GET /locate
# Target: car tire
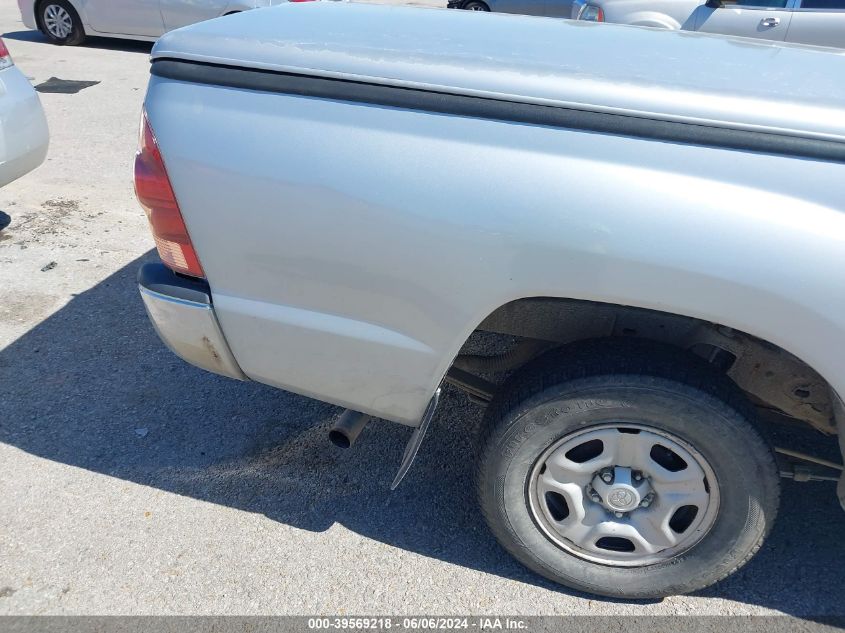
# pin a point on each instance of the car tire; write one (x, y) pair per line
(667, 417)
(59, 21)
(476, 5)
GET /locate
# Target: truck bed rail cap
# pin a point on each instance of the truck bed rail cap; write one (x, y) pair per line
(667, 75)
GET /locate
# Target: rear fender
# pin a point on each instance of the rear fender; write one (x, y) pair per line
(81, 10)
(370, 314)
(654, 19)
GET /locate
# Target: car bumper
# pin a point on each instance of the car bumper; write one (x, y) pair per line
(183, 316)
(27, 8)
(23, 127)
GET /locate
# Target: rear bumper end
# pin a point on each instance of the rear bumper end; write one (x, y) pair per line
(27, 8)
(23, 127)
(183, 316)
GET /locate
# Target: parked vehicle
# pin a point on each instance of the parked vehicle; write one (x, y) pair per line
(654, 242)
(23, 126)
(548, 8)
(70, 21)
(818, 22)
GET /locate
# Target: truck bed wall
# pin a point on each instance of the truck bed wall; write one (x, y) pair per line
(352, 248)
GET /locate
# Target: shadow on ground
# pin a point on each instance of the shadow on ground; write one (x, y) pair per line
(105, 43)
(93, 387)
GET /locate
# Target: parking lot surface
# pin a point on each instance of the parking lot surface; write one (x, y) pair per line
(132, 483)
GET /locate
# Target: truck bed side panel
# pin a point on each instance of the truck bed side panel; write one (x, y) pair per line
(352, 248)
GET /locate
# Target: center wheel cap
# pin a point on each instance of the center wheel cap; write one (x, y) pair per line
(622, 499)
(621, 493)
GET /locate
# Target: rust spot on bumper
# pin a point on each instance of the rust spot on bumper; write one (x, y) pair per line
(209, 346)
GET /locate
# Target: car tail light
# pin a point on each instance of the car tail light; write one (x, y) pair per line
(5, 58)
(152, 187)
(592, 14)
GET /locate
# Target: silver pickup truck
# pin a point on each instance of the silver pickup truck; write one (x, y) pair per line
(648, 226)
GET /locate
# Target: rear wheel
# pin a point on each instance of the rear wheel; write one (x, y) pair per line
(626, 469)
(60, 22)
(476, 5)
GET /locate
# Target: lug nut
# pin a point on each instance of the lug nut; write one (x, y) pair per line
(646, 502)
(619, 515)
(607, 476)
(638, 476)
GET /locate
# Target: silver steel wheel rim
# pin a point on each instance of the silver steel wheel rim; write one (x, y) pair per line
(58, 21)
(627, 522)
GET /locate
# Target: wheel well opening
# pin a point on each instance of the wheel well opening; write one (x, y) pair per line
(37, 9)
(773, 378)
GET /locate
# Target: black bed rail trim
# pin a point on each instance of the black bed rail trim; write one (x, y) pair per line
(498, 109)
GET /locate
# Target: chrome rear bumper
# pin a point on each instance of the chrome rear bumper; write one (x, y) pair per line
(183, 315)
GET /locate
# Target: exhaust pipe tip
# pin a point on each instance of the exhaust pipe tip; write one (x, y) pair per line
(347, 428)
(339, 439)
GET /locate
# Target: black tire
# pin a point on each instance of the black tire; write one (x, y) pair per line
(47, 12)
(475, 5)
(622, 380)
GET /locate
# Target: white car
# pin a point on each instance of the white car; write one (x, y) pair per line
(23, 126)
(815, 22)
(70, 21)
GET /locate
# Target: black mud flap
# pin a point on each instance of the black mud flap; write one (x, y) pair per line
(413, 445)
(839, 417)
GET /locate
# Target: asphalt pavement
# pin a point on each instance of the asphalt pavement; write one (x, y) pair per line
(132, 483)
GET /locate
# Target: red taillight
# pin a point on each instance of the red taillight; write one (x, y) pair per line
(591, 13)
(152, 187)
(5, 58)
